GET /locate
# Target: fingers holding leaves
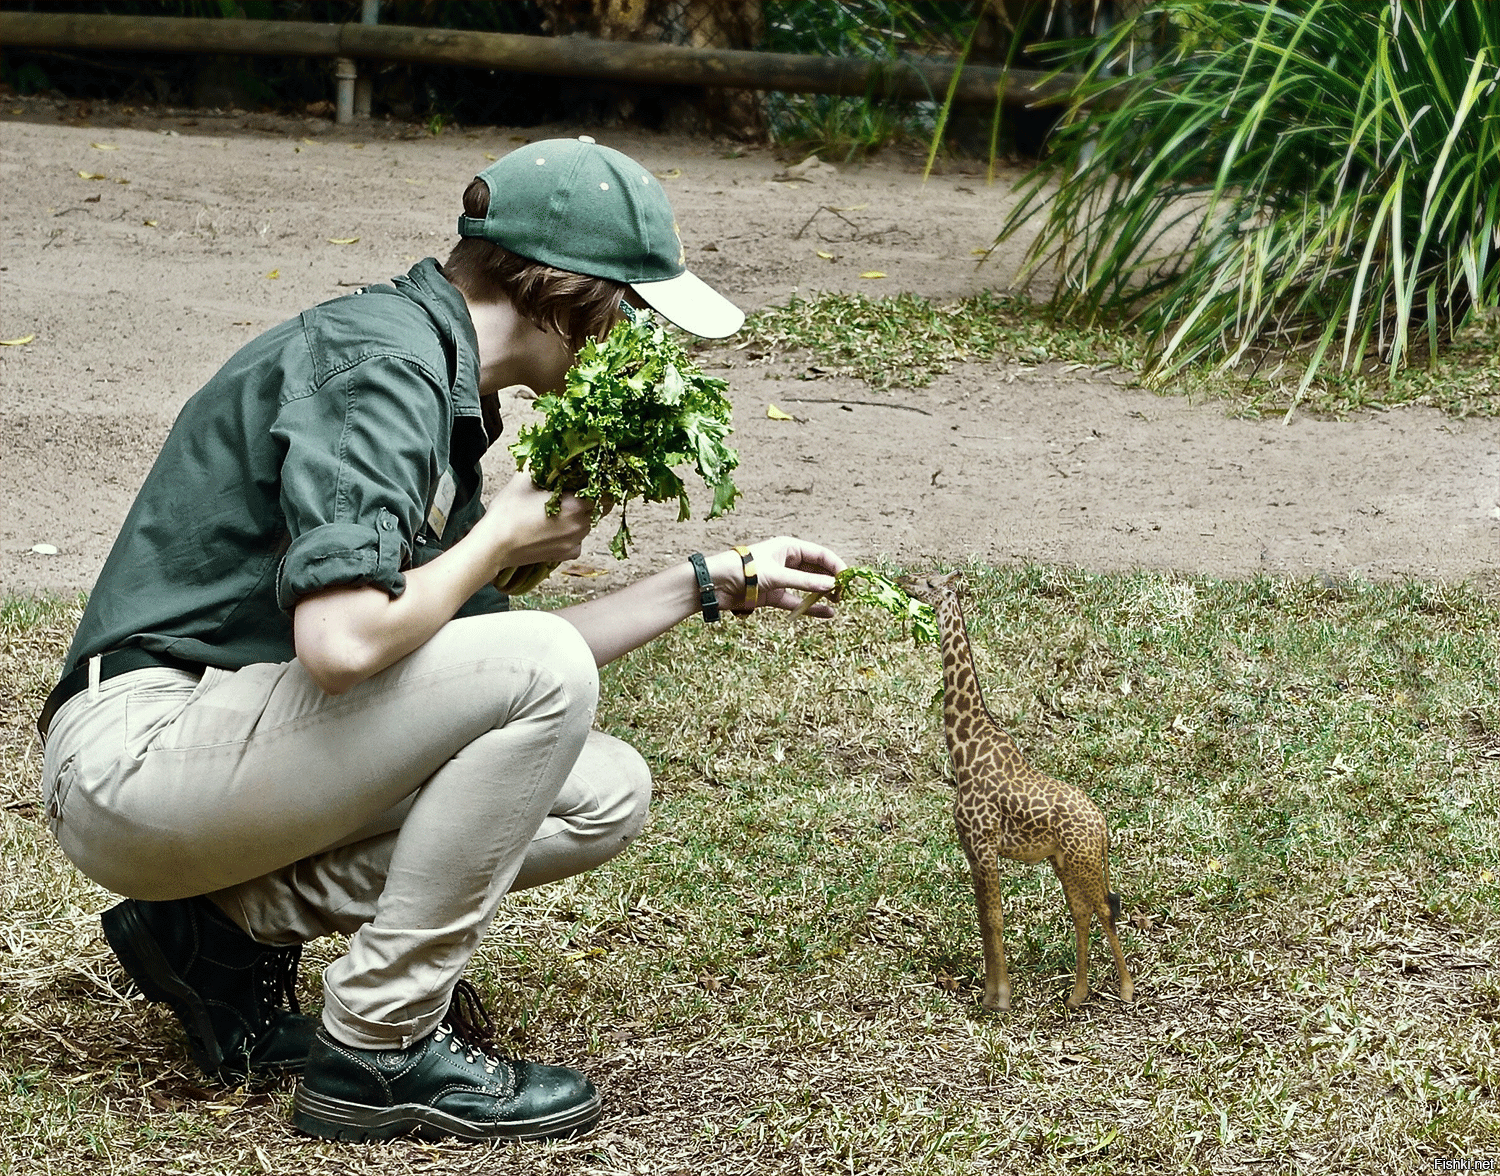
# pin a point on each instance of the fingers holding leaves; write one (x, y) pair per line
(796, 575)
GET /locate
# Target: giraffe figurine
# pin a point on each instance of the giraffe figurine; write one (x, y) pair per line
(1005, 808)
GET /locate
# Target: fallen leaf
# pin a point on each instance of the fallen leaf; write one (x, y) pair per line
(1486, 876)
(1141, 921)
(311, 142)
(873, 274)
(579, 569)
(1215, 865)
(273, 275)
(775, 414)
(946, 982)
(44, 549)
(94, 199)
(710, 982)
(670, 174)
(980, 251)
(21, 342)
(342, 240)
(103, 146)
(83, 175)
(491, 158)
(825, 256)
(848, 207)
(150, 224)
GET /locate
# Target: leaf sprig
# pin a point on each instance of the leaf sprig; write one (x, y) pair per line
(633, 407)
(863, 585)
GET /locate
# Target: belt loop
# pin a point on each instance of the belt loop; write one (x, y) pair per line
(95, 663)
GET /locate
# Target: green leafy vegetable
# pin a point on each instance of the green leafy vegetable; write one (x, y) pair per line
(867, 586)
(633, 407)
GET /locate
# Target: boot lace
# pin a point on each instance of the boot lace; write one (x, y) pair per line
(470, 1026)
(276, 979)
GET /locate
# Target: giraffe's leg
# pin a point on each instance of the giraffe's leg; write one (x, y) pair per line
(991, 930)
(1082, 910)
(1127, 985)
(1107, 917)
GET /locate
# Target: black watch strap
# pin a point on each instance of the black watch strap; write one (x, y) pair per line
(707, 597)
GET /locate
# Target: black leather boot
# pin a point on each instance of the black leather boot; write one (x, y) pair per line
(236, 998)
(442, 1086)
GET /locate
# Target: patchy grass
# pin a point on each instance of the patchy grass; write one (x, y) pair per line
(1303, 783)
(907, 341)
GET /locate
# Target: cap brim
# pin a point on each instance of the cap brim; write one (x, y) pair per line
(692, 304)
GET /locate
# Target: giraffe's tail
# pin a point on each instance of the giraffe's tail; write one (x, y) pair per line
(1114, 904)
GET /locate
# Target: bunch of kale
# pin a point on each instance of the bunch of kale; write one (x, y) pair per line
(633, 408)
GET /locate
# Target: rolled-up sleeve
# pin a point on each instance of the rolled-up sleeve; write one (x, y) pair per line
(362, 453)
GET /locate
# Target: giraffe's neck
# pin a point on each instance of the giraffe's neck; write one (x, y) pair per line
(966, 720)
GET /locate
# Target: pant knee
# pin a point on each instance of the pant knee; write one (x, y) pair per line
(633, 803)
(570, 659)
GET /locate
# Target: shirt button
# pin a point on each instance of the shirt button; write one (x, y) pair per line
(387, 523)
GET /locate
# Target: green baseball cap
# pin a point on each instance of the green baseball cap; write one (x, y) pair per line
(577, 206)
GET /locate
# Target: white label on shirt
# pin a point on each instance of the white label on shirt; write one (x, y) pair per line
(442, 503)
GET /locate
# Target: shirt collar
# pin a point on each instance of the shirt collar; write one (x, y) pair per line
(450, 312)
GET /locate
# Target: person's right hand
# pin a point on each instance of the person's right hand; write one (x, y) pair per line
(524, 533)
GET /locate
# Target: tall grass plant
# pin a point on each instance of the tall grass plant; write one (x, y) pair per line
(1244, 179)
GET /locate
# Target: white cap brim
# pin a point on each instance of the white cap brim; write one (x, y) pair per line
(692, 304)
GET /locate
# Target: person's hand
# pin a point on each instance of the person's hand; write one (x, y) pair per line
(526, 534)
(789, 572)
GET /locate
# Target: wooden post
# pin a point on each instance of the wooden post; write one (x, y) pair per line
(560, 57)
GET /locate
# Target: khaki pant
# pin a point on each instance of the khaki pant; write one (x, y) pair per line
(399, 813)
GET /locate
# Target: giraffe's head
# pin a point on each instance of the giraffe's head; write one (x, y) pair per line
(932, 587)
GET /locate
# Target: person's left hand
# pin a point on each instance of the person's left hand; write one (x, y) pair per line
(788, 570)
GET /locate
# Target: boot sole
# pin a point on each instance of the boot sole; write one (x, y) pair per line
(334, 1118)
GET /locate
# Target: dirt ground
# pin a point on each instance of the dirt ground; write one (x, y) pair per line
(141, 248)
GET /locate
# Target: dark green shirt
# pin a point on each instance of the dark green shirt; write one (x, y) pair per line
(339, 448)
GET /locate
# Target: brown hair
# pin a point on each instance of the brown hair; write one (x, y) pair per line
(575, 306)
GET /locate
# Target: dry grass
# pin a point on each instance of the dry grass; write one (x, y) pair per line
(783, 975)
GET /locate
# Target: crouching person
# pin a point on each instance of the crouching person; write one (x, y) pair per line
(296, 705)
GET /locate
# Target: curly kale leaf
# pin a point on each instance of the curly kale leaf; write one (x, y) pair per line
(867, 586)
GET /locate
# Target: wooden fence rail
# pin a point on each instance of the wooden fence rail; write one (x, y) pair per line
(581, 57)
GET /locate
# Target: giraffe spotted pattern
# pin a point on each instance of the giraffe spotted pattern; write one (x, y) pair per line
(1005, 808)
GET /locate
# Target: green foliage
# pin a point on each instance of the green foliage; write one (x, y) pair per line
(634, 406)
(1315, 174)
(861, 585)
(844, 127)
(908, 340)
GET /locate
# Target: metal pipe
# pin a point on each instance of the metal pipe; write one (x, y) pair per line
(347, 74)
(364, 85)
